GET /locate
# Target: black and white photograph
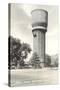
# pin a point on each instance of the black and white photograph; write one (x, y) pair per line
(32, 45)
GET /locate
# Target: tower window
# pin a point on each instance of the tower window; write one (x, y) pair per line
(34, 35)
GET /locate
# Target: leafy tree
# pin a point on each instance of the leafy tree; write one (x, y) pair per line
(47, 60)
(34, 60)
(18, 51)
(14, 47)
(25, 49)
(54, 60)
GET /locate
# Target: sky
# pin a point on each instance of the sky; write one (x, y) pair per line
(21, 25)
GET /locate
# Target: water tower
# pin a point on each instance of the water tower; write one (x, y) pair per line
(39, 28)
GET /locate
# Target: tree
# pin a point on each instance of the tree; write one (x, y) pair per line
(25, 49)
(16, 49)
(34, 60)
(54, 60)
(47, 60)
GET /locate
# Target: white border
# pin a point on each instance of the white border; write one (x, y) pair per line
(4, 43)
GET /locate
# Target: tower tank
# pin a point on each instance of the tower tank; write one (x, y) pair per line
(39, 28)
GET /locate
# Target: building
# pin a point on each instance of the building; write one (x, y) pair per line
(39, 28)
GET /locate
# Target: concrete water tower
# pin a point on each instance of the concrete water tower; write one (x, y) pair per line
(39, 28)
